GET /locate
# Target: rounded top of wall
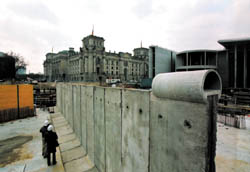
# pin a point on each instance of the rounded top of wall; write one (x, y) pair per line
(192, 86)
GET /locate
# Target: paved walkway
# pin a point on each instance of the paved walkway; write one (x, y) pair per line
(73, 155)
(21, 143)
(233, 148)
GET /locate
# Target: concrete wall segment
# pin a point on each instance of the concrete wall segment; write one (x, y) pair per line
(99, 129)
(135, 130)
(83, 117)
(113, 123)
(193, 86)
(77, 111)
(90, 121)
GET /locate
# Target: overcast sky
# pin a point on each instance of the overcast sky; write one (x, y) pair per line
(32, 27)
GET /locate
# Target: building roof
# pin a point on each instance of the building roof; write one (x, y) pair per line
(156, 46)
(229, 43)
(141, 48)
(197, 51)
(93, 36)
(236, 40)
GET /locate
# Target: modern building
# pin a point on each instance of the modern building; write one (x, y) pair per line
(196, 60)
(236, 60)
(161, 60)
(232, 63)
(93, 63)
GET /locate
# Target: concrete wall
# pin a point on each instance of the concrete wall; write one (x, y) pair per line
(132, 130)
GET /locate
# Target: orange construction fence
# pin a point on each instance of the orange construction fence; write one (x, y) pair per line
(16, 101)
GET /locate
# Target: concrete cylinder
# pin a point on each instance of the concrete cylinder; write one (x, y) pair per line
(192, 86)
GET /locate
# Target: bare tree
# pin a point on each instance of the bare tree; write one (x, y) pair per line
(19, 60)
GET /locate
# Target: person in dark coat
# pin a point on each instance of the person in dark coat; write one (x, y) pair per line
(52, 143)
(43, 130)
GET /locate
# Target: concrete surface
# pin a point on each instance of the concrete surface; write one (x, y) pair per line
(77, 111)
(182, 143)
(135, 130)
(191, 86)
(90, 122)
(233, 148)
(69, 145)
(99, 129)
(113, 123)
(74, 156)
(83, 117)
(26, 156)
(137, 133)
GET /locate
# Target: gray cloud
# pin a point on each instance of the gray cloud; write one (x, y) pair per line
(33, 10)
(143, 8)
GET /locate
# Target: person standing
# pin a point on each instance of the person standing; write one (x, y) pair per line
(43, 131)
(52, 143)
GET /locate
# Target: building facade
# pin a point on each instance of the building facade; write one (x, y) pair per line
(235, 63)
(161, 60)
(232, 63)
(93, 63)
(196, 60)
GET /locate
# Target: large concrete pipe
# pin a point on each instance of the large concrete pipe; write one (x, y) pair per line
(193, 86)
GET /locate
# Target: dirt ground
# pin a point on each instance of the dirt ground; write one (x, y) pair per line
(10, 149)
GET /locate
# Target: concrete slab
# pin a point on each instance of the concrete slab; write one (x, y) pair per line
(66, 138)
(73, 154)
(94, 169)
(83, 117)
(179, 129)
(70, 112)
(62, 124)
(64, 130)
(77, 111)
(90, 122)
(59, 119)
(69, 145)
(135, 130)
(79, 165)
(113, 115)
(100, 139)
(55, 115)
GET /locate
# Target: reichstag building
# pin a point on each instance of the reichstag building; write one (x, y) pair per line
(93, 63)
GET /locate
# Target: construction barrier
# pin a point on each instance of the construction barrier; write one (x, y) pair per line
(16, 101)
(237, 121)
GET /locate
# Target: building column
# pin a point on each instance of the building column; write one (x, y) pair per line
(245, 66)
(216, 60)
(85, 65)
(94, 65)
(235, 66)
(205, 59)
(186, 60)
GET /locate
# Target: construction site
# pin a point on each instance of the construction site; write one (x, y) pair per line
(175, 126)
